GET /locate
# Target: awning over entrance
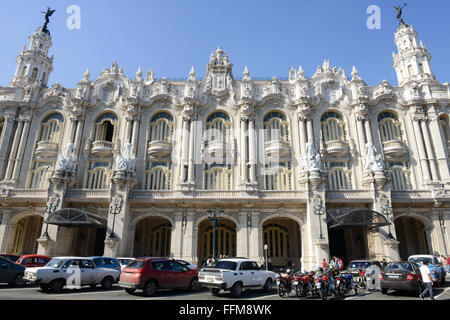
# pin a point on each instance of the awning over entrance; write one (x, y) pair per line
(357, 219)
(71, 217)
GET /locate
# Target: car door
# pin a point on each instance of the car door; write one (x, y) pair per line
(72, 272)
(244, 273)
(162, 272)
(5, 270)
(257, 275)
(88, 272)
(180, 277)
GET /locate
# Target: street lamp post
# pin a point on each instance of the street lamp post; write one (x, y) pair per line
(214, 219)
(49, 210)
(319, 210)
(114, 209)
(387, 211)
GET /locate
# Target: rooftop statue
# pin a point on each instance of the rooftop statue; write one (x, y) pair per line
(399, 11)
(48, 14)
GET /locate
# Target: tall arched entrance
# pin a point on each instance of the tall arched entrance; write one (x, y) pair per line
(225, 240)
(84, 241)
(412, 237)
(27, 231)
(283, 239)
(152, 237)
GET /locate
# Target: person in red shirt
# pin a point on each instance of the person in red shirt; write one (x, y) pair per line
(340, 264)
(324, 264)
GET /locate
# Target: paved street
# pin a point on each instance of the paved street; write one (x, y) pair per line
(87, 293)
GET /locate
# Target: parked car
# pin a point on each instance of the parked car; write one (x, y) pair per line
(125, 261)
(11, 257)
(436, 269)
(187, 264)
(11, 272)
(33, 260)
(151, 274)
(56, 274)
(106, 262)
(356, 265)
(235, 274)
(402, 275)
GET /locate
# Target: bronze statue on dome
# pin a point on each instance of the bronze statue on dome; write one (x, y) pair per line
(48, 14)
(399, 10)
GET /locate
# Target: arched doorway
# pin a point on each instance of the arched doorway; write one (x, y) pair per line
(27, 231)
(283, 239)
(85, 241)
(225, 240)
(152, 237)
(412, 236)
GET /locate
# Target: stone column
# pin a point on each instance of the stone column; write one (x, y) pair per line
(7, 130)
(429, 149)
(134, 137)
(242, 236)
(301, 128)
(184, 146)
(23, 143)
(15, 146)
(73, 129)
(440, 146)
(309, 126)
(368, 131)
(420, 145)
(252, 148)
(361, 135)
(243, 150)
(191, 153)
(176, 239)
(255, 239)
(128, 128)
(190, 239)
(78, 134)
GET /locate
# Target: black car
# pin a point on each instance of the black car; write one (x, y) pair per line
(402, 276)
(11, 272)
(11, 257)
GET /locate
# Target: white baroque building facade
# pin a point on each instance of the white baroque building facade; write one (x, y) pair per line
(311, 167)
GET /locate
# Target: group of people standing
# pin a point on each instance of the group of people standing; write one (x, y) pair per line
(335, 263)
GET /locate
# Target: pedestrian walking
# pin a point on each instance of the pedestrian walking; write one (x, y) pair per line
(427, 281)
(383, 263)
(324, 264)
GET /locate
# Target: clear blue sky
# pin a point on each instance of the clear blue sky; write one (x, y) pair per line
(267, 36)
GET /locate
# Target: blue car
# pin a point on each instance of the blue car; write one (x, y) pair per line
(436, 269)
(106, 262)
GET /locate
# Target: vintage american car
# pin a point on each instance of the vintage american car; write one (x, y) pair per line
(233, 275)
(70, 271)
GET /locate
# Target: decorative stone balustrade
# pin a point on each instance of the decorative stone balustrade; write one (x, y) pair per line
(101, 148)
(159, 149)
(337, 147)
(47, 149)
(277, 148)
(395, 148)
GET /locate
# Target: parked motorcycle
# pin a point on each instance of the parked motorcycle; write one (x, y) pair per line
(345, 284)
(361, 280)
(284, 283)
(303, 284)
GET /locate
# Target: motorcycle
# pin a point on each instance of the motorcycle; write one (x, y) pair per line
(303, 284)
(361, 280)
(345, 284)
(284, 283)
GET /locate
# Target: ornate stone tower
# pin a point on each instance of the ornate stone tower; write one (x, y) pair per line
(412, 62)
(33, 64)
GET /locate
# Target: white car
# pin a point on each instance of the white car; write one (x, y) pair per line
(73, 272)
(125, 261)
(235, 274)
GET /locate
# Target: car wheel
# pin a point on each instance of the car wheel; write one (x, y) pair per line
(384, 291)
(268, 285)
(149, 289)
(56, 285)
(215, 291)
(18, 280)
(194, 285)
(130, 291)
(236, 289)
(281, 290)
(44, 287)
(107, 282)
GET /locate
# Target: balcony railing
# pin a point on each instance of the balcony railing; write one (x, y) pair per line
(394, 148)
(47, 149)
(337, 147)
(349, 195)
(159, 148)
(102, 148)
(277, 148)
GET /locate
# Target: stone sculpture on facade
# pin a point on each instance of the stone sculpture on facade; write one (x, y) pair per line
(312, 160)
(126, 161)
(66, 160)
(372, 161)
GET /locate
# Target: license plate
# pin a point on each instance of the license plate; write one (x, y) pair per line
(209, 279)
(295, 283)
(278, 282)
(394, 277)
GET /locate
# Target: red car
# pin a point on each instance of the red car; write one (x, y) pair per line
(33, 260)
(151, 274)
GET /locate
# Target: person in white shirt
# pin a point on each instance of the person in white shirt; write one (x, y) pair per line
(427, 281)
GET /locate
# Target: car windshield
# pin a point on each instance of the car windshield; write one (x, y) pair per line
(136, 264)
(54, 263)
(420, 260)
(227, 265)
(124, 261)
(360, 264)
(399, 266)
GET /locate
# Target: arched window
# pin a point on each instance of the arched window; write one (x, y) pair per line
(24, 71)
(276, 128)
(105, 127)
(40, 174)
(389, 126)
(158, 176)
(218, 127)
(400, 179)
(333, 127)
(410, 70)
(278, 176)
(51, 127)
(161, 127)
(217, 176)
(443, 119)
(339, 176)
(98, 175)
(34, 73)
